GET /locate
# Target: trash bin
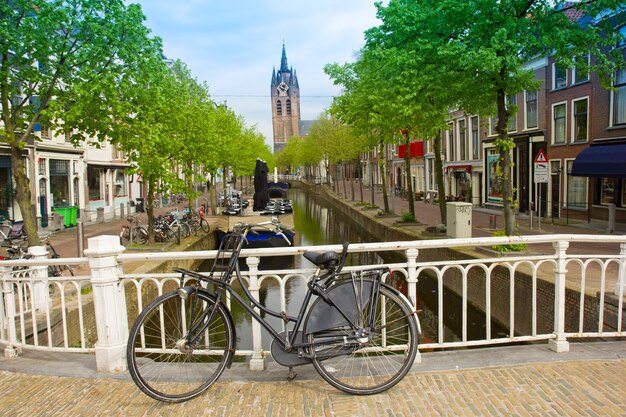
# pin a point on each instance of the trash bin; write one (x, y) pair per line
(69, 214)
(139, 206)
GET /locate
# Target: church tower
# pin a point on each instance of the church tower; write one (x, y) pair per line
(285, 93)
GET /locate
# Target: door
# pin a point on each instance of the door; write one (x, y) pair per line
(555, 188)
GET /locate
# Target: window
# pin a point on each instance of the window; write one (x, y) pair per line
(475, 138)
(576, 195)
(59, 183)
(279, 108)
(511, 105)
(622, 33)
(45, 132)
(531, 109)
(120, 183)
(462, 140)
(288, 107)
(42, 166)
(580, 120)
(607, 190)
(623, 193)
(493, 123)
(451, 142)
(94, 182)
(581, 69)
(619, 98)
(558, 123)
(494, 178)
(559, 77)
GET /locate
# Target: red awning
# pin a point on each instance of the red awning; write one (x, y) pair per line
(415, 149)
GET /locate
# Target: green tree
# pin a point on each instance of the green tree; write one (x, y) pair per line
(480, 47)
(60, 65)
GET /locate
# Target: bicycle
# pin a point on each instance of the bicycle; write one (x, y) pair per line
(133, 232)
(360, 334)
(21, 252)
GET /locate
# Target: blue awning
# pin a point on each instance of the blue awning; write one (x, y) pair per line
(606, 160)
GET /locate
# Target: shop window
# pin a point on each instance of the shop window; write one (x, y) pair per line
(608, 187)
(494, 179)
(576, 194)
(95, 177)
(59, 183)
(120, 183)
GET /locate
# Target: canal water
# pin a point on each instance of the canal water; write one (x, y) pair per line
(317, 224)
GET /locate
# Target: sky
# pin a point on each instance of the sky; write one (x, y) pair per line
(233, 45)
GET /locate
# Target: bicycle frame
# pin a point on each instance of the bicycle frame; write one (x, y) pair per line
(289, 342)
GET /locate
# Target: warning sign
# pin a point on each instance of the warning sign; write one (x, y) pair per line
(541, 167)
(541, 156)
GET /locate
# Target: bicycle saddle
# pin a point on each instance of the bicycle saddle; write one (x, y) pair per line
(327, 259)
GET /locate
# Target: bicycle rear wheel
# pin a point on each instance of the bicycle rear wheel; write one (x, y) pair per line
(204, 225)
(160, 360)
(377, 361)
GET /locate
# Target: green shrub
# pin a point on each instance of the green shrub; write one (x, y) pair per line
(407, 217)
(509, 247)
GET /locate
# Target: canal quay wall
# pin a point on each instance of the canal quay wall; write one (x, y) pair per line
(390, 228)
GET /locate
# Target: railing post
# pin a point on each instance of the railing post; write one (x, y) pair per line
(11, 351)
(560, 344)
(39, 275)
(411, 264)
(257, 362)
(620, 285)
(109, 303)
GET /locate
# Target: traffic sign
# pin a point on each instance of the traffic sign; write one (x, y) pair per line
(541, 167)
(541, 157)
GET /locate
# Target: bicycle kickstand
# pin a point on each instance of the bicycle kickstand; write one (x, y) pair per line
(291, 375)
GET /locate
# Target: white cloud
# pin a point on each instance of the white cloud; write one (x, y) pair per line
(233, 46)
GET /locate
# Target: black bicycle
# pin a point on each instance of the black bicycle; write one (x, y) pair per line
(360, 334)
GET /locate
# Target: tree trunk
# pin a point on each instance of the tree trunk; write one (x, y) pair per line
(360, 178)
(150, 210)
(383, 176)
(23, 196)
(343, 179)
(441, 194)
(352, 179)
(212, 194)
(372, 165)
(504, 146)
(409, 183)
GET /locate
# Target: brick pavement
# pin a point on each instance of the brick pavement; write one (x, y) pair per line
(577, 388)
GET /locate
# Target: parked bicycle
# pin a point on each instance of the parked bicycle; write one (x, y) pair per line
(20, 251)
(133, 232)
(360, 334)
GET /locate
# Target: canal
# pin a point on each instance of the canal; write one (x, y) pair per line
(318, 224)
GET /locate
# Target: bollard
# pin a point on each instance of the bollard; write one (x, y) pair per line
(122, 211)
(80, 237)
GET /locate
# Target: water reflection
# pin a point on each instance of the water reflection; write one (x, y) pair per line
(317, 224)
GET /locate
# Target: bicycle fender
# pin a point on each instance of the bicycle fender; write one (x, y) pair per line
(409, 304)
(229, 317)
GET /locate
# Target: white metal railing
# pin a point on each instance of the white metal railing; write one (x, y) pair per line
(544, 293)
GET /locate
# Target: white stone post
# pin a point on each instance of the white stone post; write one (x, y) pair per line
(620, 285)
(11, 351)
(257, 362)
(109, 303)
(39, 275)
(411, 264)
(560, 344)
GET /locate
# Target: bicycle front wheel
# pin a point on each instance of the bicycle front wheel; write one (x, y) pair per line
(163, 363)
(378, 360)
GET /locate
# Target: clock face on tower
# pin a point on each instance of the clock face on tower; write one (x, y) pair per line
(282, 87)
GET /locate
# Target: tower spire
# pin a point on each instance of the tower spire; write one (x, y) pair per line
(283, 60)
